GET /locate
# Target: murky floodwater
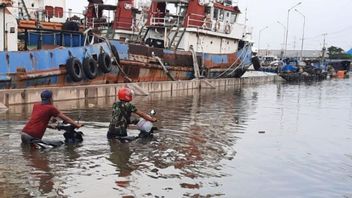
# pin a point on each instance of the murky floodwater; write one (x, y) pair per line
(271, 140)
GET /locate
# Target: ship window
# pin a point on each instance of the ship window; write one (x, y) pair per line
(216, 12)
(233, 18)
(59, 12)
(12, 30)
(49, 11)
(171, 9)
(221, 15)
(227, 16)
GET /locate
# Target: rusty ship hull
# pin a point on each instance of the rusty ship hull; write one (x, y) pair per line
(134, 62)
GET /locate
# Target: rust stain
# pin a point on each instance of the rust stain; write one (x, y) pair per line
(123, 183)
(231, 58)
(145, 50)
(190, 186)
(141, 67)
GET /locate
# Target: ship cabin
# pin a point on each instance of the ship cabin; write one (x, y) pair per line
(206, 26)
(126, 24)
(40, 10)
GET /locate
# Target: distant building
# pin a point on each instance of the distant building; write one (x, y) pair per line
(307, 54)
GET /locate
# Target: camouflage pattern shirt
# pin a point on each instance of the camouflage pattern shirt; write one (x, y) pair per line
(121, 113)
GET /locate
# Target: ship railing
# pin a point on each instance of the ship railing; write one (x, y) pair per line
(199, 21)
(124, 25)
(101, 25)
(96, 23)
(163, 21)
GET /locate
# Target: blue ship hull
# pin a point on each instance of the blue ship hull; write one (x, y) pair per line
(35, 68)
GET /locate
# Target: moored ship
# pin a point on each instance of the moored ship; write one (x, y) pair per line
(179, 40)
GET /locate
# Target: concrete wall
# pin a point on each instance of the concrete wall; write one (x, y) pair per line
(31, 95)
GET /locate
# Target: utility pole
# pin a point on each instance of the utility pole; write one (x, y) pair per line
(287, 21)
(283, 41)
(324, 48)
(304, 24)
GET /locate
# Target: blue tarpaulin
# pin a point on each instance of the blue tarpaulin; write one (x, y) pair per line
(349, 52)
(289, 68)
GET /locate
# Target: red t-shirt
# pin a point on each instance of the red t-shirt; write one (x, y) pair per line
(39, 120)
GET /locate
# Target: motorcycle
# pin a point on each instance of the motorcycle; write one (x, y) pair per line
(145, 128)
(71, 137)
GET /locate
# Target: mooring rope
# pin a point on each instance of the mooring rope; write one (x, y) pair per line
(233, 64)
(114, 57)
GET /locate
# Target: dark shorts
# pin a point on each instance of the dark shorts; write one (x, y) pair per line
(27, 139)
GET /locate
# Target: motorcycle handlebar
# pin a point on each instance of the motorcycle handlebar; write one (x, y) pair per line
(65, 127)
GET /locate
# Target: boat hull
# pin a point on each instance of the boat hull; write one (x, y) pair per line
(137, 63)
(300, 77)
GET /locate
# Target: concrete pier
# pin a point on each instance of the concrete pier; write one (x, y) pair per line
(31, 95)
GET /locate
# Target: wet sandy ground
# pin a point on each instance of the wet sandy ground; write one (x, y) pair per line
(270, 140)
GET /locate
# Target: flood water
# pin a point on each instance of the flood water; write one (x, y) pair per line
(270, 140)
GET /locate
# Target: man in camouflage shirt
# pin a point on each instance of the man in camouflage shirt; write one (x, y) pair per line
(121, 114)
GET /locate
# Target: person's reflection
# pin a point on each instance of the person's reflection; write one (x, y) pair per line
(40, 163)
(120, 155)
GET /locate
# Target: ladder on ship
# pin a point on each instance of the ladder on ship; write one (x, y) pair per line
(110, 34)
(195, 63)
(164, 68)
(177, 37)
(141, 34)
(25, 9)
(196, 69)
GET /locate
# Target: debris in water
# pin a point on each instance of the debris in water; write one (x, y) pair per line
(261, 132)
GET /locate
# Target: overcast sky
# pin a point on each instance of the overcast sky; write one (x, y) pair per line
(332, 17)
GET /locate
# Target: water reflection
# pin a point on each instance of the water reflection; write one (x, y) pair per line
(40, 170)
(119, 155)
(207, 145)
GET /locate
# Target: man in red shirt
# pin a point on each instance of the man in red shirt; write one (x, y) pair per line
(42, 112)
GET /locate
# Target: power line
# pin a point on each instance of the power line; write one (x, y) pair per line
(330, 33)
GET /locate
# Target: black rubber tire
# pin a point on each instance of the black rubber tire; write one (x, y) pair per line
(115, 53)
(74, 69)
(90, 67)
(105, 62)
(239, 72)
(256, 63)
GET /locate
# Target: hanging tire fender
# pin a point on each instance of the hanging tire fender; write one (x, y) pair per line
(104, 61)
(256, 63)
(227, 28)
(90, 67)
(74, 69)
(217, 26)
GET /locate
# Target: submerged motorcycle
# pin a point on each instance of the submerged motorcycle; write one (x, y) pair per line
(71, 137)
(145, 128)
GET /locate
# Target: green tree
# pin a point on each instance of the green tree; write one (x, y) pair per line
(337, 53)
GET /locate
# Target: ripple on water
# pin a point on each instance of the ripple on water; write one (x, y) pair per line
(208, 145)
